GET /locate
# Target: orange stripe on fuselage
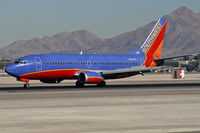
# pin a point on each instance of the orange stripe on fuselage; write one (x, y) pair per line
(49, 74)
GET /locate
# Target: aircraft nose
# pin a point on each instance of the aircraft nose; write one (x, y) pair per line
(10, 70)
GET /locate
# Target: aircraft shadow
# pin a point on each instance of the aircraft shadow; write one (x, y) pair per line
(109, 87)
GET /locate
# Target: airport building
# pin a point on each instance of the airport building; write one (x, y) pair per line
(4, 63)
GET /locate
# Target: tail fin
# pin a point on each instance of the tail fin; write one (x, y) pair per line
(152, 46)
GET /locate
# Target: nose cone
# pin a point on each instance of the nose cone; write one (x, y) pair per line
(11, 70)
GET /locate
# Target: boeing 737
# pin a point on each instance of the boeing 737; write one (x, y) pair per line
(92, 68)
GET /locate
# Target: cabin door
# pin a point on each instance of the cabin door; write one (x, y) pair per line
(142, 60)
(89, 64)
(38, 63)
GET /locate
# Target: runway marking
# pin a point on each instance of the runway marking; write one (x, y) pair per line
(93, 91)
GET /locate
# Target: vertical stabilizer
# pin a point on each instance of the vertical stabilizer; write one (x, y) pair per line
(152, 46)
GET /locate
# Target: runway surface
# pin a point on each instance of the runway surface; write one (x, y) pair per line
(154, 103)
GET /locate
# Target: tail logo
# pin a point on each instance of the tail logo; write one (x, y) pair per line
(152, 38)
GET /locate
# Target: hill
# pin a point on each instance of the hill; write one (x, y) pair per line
(65, 41)
(182, 35)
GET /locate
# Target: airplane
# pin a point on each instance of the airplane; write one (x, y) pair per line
(92, 68)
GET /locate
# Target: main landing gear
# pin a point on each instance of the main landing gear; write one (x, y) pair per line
(26, 85)
(79, 84)
(101, 84)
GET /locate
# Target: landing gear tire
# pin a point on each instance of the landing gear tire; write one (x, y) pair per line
(26, 85)
(102, 84)
(79, 84)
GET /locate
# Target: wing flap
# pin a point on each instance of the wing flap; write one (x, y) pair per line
(126, 72)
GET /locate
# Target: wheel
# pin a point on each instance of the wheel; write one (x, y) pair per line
(79, 84)
(101, 84)
(26, 85)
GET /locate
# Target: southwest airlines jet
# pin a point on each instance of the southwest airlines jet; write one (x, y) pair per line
(92, 68)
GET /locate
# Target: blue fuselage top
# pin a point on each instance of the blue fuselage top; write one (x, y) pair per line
(47, 62)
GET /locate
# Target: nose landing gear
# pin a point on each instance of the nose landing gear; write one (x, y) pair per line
(26, 85)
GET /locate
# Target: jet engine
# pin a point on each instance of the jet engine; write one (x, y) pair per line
(90, 77)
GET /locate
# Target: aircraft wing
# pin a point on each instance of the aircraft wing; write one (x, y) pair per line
(126, 72)
(175, 57)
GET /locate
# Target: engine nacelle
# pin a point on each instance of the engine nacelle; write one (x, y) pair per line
(90, 77)
(51, 81)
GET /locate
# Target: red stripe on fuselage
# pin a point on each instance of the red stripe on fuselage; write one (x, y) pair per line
(51, 74)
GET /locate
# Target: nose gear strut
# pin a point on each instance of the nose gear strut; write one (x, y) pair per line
(26, 85)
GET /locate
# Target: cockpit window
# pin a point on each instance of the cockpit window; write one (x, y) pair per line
(16, 62)
(21, 62)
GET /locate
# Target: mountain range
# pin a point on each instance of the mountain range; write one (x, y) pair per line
(182, 37)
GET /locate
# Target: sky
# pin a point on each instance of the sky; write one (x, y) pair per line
(26, 19)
